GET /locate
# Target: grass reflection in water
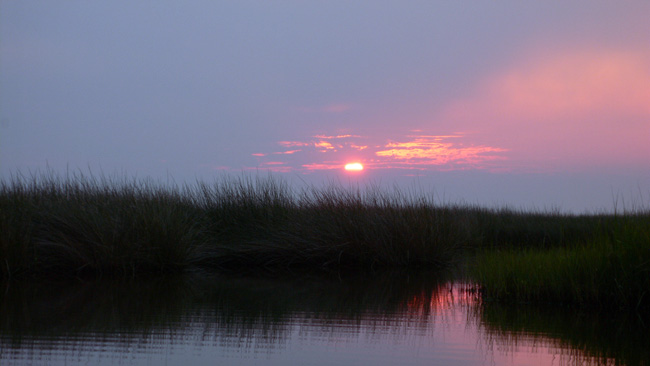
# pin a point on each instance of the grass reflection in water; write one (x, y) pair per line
(251, 315)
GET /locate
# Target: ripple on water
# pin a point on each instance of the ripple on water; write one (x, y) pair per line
(395, 319)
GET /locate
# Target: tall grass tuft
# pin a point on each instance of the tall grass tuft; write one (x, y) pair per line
(82, 224)
(263, 223)
(611, 271)
(381, 228)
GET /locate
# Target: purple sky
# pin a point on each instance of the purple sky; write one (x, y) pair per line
(529, 104)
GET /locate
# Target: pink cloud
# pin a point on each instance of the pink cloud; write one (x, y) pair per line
(293, 143)
(274, 166)
(358, 147)
(323, 166)
(329, 137)
(324, 146)
(574, 108)
(286, 152)
(426, 151)
(576, 84)
(433, 150)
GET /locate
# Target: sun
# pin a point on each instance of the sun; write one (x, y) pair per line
(354, 166)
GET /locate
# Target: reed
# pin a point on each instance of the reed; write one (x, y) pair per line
(82, 224)
(611, 271)
(93, 225)
(263, 223)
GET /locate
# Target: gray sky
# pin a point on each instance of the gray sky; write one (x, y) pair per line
(529, 104)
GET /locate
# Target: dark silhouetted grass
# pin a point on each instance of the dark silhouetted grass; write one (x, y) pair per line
(84, 224)
(108, 226)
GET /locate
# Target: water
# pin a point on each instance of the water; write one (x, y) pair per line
(389, 319)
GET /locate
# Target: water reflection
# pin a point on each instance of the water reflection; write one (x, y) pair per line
(606, 338)
(394, 318)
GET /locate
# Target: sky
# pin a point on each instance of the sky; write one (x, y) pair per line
(535, 105)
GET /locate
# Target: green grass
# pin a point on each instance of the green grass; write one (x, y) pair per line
(611, 270)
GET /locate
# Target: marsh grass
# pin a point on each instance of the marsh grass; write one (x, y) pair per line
(84, 225)
(263, 223)
(90, 225)
(610, 271)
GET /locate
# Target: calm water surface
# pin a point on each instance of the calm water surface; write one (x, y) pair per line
(389, 319)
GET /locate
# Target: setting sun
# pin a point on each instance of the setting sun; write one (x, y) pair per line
(353, 166)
